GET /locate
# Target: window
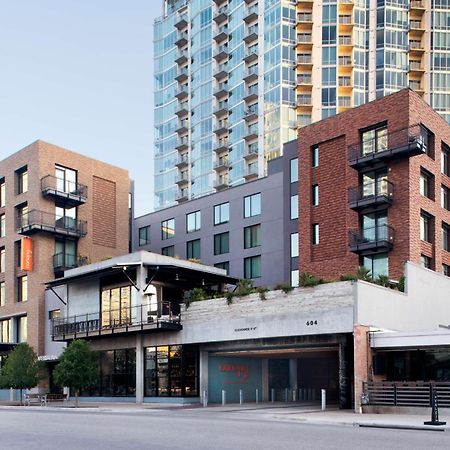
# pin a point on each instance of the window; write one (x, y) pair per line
(2, 294)
(445, 160)
(374, 140)
(252, 267)
(144, 235)
(22, 326)
(167, 229)
(22, 180)
(2, 193)
(426, 184)
(426, 261)
(168, 251)
(315, 234)
(252, 205)
(425, 227)
(445, 197)
(294, 170)
(2, 259)
(294, 207)
(193, 249)
(315, 195)
(445, 237)
(18, 253)
(2, 225)
(446, 270)
(294, 245)
(252, 236)
(427, 140)
(54, 314)
(193, 221)
(22, 289)
(221, 243)
(377, 264)
(66, 180)
(221, 213)
(5, 331)
(224, 265)
(116, 306)
(295, 277)
(315, 156)
(22, 215)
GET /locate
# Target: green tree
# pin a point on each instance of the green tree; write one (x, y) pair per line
(21, 369)
(77, 367)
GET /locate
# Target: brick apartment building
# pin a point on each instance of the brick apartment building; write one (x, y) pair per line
(58, 210)
(374, 189)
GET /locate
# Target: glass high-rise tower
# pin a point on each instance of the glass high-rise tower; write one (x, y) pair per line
(235, 78)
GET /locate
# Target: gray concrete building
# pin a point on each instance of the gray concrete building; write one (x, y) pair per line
(250, 230)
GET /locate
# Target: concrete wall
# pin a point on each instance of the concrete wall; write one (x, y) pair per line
(52, 302)
(84, 297)
(424, 305)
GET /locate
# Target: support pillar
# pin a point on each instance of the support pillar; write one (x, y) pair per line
(345, 370)
(265, 380)
(203, 373)
(139, 370)
(362, 358)
(293, 380)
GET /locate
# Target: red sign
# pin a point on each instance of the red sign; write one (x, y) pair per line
(240, 370)
(26, 254)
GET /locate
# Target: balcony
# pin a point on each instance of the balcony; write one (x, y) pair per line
(221, 109)
(344, 102)
(66, 261)
(251, 74)
(345, 21)
(183, 127)
(251, 13)
(304, 17)
(304, 100)
(221, 127)
(182, 179)
(221, 14)
(221, 90)
(220, 146)
(416, 46)
(252, 132)
(416, 66)
(251, 113)
(345, 61)
(182, 57)
(251, 54)
(182, 75)
(68, 192)
(131, 319)
(221, 183)
(183, 160)
(345, 82)
(181, 21)
(221, 53)
(304, 38)
(182, 92)
(416, 25)
(221, 71)
(36, 221)
(222, 163)
(378, 239)
(398, 144)
(251, 34)
(304, 80)
(182, 39)
(252, 172)
(182, 110)
(345, 41)
(182, 195)
(417, 4)
(251, 152)
(221, 34)
(305, 59)
(371, 195)
(252, 93)
(182, 143)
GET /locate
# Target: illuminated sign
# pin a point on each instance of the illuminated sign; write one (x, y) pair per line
(26, 254)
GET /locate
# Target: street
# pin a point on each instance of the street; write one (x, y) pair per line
(38, 428)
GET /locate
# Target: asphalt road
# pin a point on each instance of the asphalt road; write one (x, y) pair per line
(193, 429)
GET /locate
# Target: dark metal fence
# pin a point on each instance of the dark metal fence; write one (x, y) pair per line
(378, 188)
(397, 393)
(58, 185)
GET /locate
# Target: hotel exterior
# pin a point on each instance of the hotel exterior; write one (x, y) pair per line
(235, 79)
(58, 210)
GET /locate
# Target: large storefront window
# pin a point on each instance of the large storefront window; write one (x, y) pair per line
(116, 306)
(171, 371)
(117, 374)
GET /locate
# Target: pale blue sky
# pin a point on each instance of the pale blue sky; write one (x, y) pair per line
(78, 73)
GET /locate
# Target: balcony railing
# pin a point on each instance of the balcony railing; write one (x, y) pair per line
(69, 191)
(369, 195)
(34, 221)
(65, 261)
(345, 20)
(372, 240)
(304, 17)
(401, 143)
(165, 317)
(304, 59)
(304, 38)
(304, 79)
(417, 4)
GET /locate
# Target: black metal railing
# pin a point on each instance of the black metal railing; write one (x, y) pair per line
(51, 184)
(412, 394)
(378, 236)
(411, 139)
(128, 318)
(35, 220)
(68, 261)
(371, 191)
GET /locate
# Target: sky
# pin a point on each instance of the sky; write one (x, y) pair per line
(79, 74)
